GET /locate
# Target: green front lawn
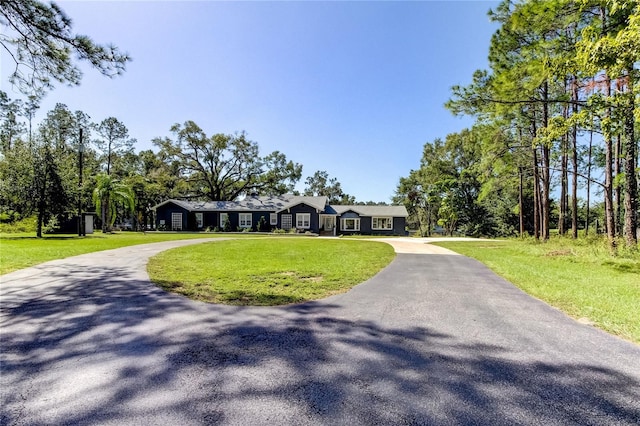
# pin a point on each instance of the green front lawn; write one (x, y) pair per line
(271, 271)
(578, 277)
(19, 251)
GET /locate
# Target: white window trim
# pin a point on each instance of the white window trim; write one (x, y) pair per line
(245, 220)
(356, 224)
(199, 220)
(224, 218)
(273, 219)
(300, 220)
(377, 226)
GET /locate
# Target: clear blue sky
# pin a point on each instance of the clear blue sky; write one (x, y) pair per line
(353, 88)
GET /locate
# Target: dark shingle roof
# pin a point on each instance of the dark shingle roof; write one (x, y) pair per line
(283, 202)
(265, 203)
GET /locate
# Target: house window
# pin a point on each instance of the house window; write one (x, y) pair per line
(382, 223)
(224, 218)
(350, 224)
(199, 220)
(245, 220)
(303, 220)
(176, 221)
(286, 221)
(273, 219)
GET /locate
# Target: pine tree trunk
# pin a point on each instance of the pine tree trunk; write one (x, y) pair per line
(564, 173)
(608, 194)
(609, 218)
(546, 196)
(109, 157)
(618, 216)
(562, 211)
(574, 188)
(546, 176)
(588, 212)
(520, 202)
(630, 161)
(574, 161)
(536, 196)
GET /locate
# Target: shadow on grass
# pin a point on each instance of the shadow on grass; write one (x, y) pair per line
(235, 297)
(99, 346)
(249, 298)
(630, 267)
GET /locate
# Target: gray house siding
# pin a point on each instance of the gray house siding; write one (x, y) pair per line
(165, 214)
(261, 209)
(234, 220)
(399, 225)
(189, 222)
(314, 221)
(211, 220)
(257, 226)
(280, 223)
(366, 226)
(349, 215)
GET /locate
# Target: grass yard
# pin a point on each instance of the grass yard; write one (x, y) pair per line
(271, 271)
(19, 251)
(578, 277)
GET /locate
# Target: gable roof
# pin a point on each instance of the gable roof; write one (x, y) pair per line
(395, 211)
(319, 203)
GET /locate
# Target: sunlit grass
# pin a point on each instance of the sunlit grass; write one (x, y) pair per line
(578, 277)
(19, 251)
(272, 271)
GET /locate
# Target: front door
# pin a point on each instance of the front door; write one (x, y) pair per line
(329, 223)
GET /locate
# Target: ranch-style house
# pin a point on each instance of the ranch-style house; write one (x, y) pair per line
(260, 213)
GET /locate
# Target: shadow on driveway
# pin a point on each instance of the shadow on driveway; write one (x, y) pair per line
(114, 350)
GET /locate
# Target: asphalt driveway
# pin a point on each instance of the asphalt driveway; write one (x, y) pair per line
(434, 338)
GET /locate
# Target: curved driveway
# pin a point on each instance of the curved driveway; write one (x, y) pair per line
(433, 339)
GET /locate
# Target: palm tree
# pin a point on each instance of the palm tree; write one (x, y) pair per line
(107, 195)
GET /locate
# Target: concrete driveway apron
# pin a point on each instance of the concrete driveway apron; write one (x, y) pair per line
(434, 338)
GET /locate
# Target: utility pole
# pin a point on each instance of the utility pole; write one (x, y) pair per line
(81, 230)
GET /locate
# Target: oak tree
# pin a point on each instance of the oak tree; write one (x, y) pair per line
(225, 166)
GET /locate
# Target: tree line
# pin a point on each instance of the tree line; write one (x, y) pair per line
(67, 163)
(556, 116)
(556, 113)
